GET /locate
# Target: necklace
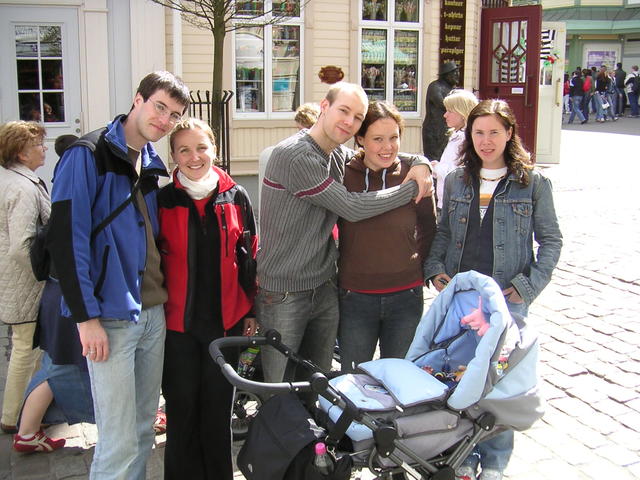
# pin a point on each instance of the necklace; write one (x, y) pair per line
(493, 179)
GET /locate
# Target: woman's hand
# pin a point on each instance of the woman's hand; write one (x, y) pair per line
(440, 281)
(512, 295)
(250, 327)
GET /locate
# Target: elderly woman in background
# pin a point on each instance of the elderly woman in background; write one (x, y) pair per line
(24, 201)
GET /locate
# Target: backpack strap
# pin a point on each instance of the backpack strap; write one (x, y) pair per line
(90, 140)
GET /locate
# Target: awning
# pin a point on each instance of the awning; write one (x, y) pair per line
(605, 20)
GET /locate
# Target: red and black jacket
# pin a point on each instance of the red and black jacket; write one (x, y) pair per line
(178, 219)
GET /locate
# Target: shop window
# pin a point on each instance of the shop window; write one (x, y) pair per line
(268, 59)
(40, 76)
(390, 32)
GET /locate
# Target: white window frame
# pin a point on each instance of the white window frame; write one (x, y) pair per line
(268, 63)
(391, 26)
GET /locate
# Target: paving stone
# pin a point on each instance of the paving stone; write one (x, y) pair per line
(618, 455)
(600, 469)
(568, 367)
(634, 404)
(621, 347)
(631, 420)
(627, 438)
(611, 407)
(30, 467)
(630, 367)
(624, 379)
(606, 328)
(600, 422)
(618, 393)
(69, 466)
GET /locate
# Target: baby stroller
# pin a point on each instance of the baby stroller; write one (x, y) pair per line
(404, 417)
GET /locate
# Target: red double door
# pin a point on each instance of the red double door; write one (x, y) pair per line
(510, 63)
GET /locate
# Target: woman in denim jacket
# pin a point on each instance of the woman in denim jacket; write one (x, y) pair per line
(494, 206)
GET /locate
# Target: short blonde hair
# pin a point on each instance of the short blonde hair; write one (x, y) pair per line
(15, 137)
(191, 124)
(460, 101)
(307, 114)
(339, 87)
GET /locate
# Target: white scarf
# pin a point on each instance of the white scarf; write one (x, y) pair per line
(199, 189)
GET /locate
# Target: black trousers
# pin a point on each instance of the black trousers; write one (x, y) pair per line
(198, 407)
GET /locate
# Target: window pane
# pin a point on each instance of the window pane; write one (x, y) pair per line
(50, 42)
(374, 9)
(52, 75)
(29, 104)
(53, 107)
(407, 10)
(250, 8)
(26, 41)
(509, 49)
(287, 8)
(405, 66)
(250, 69)
(28, 74)
(374, 62)
(286, 67)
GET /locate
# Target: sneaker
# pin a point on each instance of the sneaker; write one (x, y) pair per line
(465, 472)
(37, 443)
(490, 474)
(583, 122)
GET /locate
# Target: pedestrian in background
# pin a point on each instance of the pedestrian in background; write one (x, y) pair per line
(204, 216)
(380, 263)
(60, 391)
(458, 105)
(632, 86)
(24, 203)
(576, 93)
(494, 205)
(620, 75)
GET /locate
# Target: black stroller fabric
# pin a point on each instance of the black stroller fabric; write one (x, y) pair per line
(280, 442)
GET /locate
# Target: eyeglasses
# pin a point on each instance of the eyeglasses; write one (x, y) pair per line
(163, 111)
(41, 145)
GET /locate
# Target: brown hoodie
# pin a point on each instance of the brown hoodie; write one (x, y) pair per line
(384, 252)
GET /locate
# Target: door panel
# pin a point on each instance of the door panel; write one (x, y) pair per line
(40, 75)
(509, 63)
(549, 123)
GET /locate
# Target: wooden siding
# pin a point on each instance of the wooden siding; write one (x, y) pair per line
(331, 38)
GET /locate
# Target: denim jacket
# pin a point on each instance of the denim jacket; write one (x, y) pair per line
(521, 213)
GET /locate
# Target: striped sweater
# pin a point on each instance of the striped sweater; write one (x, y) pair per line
(302, 197)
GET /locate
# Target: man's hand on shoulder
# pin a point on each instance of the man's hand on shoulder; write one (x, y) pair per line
(421, 174)
(95, 343)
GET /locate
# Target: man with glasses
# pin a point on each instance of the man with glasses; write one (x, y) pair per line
(102, 242)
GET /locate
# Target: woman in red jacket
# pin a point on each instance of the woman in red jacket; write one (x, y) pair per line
(203, 215)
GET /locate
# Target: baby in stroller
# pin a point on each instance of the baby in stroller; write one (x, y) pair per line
(398, 418)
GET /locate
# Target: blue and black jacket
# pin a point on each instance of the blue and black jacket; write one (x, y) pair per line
(101, 273)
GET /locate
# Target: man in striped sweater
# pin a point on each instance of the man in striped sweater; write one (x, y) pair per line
(302, 197)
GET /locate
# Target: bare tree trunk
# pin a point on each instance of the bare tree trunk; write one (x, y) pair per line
(219, 33)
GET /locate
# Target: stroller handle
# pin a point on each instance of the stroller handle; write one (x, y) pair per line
(317, 383)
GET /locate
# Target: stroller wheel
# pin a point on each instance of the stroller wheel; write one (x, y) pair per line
(245, 408)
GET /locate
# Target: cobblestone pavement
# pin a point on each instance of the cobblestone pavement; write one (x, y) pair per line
(588, 318)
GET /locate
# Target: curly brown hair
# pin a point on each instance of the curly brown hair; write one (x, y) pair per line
(15, 137)
(518, 160)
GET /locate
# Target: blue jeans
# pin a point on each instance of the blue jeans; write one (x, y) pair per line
(308, 323)
(365, 318)
(633, 103)
(126, 389)
(493, 453)
(576, 103)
